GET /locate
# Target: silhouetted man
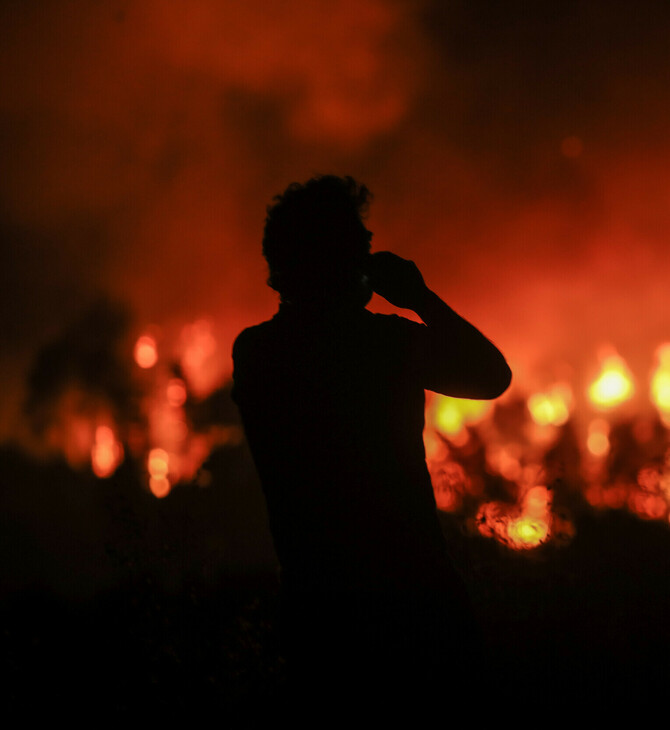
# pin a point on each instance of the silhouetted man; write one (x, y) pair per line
(332, 401)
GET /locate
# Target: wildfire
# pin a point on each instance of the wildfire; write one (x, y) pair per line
(488, 461)
(613, 386)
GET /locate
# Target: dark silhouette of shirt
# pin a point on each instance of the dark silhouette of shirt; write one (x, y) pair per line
(333, 408)
(332, 403)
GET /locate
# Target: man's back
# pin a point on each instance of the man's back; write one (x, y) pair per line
(333, 412)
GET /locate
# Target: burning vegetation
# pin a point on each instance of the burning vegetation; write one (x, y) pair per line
(514, 470)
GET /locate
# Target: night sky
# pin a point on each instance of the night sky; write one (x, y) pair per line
(516, 150)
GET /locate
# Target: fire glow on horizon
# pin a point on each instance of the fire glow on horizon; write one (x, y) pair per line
(142, 141)
(455, 431)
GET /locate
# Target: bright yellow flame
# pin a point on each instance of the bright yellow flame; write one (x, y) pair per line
(613, 386)
(146, 352)
(552, 408)
(660, 381)
(106, 453)
(527, 531)
(450, 415)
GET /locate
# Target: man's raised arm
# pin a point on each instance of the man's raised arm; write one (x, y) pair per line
(454, 356)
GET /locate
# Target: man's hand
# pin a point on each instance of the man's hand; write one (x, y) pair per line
(396, 279)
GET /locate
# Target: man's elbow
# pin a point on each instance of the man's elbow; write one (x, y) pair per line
(497, 381)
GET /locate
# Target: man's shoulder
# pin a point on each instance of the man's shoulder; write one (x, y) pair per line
(251, 352)
(252, 338)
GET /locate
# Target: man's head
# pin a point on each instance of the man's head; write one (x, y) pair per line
(315, 242)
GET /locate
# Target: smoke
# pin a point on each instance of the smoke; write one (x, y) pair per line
(142, 140)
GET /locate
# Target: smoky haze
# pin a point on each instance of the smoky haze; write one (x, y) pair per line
(516, 153)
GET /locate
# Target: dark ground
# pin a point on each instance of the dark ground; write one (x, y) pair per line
(115, 604)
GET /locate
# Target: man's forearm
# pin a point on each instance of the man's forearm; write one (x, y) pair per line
(485, 371)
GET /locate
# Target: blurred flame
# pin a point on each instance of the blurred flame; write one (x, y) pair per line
(532, 527)
(106, 453)
(159, 486)
(660, 383)
(198, 361)
(505, 460)
(176, 392)
(525, 526)
(527, 532)
(597, 441)
(613, 386)
(450, 415)
(449, 484)
(435, 446)
(157, 463)
(146, 351)
(158, 467)
(551, 408)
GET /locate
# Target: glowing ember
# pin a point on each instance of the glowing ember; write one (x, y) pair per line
(552, 408)
(614, 384)
(106, 453)
(146, 352)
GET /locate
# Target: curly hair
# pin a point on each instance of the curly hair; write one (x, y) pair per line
(314, 237)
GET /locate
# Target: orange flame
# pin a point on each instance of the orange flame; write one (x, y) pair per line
(597, 441)
(146, 352)
(450, 415)
(198, 359)
(520, 527)
(106, 453)
(660, 383)
(613, 386)
(158, 467)
(551, 408)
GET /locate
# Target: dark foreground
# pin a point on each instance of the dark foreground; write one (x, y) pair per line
(115, 605)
